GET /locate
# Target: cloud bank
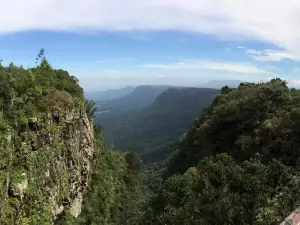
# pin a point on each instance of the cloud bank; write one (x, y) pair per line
(213, 65)
(269, 55)
(273, 21)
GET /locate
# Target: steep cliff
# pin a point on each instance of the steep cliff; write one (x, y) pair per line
(46, 145)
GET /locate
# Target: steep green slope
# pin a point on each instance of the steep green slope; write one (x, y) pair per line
(239, 164)
(152, 131)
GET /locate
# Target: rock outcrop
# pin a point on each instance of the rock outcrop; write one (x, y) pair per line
(47, 167)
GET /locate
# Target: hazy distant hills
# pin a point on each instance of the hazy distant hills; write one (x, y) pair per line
(108, 94)
(218, 84)
(139, 98)
(152, 130)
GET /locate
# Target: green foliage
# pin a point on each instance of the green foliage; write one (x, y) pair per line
(42, 216)
(27, 98)
(28, 166)
(35, 90)
(65, 218)
(238, 164)
(114, 195)
(254, 118)
(6, 90)
(90, 107)
(245, 149)
(222, 191)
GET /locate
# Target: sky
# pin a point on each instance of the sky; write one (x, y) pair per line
(116, 43)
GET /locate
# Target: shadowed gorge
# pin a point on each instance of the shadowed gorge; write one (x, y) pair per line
(153, 129)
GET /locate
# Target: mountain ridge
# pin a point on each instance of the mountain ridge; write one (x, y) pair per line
(141, 97)
(108, 94)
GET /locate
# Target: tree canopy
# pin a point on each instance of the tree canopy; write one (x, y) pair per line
(239, 164)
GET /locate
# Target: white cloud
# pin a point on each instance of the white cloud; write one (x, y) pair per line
(213, 65)
(270, 55)
(273, 21)
(294, 83)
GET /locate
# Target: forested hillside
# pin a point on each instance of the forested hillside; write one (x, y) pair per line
(239, 164)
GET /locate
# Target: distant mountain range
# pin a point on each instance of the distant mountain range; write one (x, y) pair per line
(144, 94)
(139, 98)
(108, 94)
(218, 84)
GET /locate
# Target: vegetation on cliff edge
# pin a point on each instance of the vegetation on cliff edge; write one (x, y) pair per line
(239, 164)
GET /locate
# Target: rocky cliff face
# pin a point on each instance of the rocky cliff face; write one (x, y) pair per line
(45, 168)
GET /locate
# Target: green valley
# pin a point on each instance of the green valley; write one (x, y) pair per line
(152, 130)
(185, 156)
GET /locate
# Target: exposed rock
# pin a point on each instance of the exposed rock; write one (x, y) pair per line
(58, 168)
(76, 205)
(17, 189)
(56, 210)
(33, 119)
(77, 133)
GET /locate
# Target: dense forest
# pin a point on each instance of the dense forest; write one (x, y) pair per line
(238, 163)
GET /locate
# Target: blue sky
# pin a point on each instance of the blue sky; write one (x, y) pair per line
(107, 45)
